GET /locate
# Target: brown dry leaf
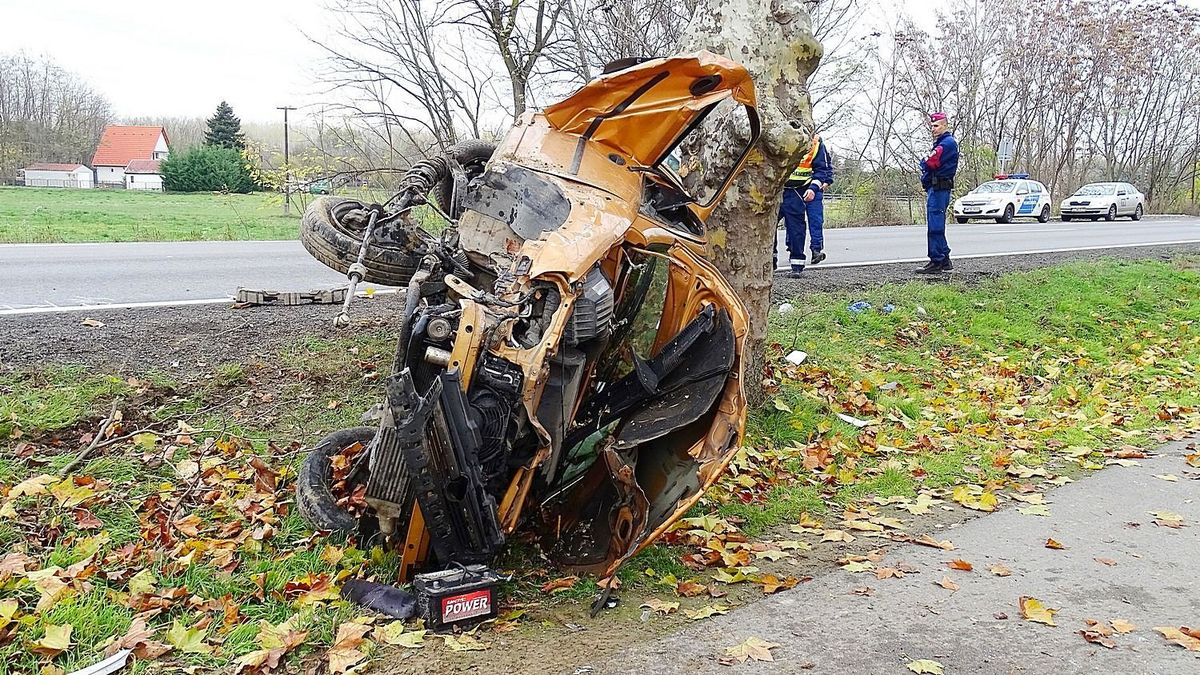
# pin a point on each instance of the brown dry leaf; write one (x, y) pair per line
(771, 583)
(138, 638)
(345, 651)
(754, 649)
(960, 564)
(863, 590)
(1098, 638)
(1106, 561)
(1099, 627)
(1122, 626)
(999, 570)
(888, 573)
(1032, 609)
(92, 323)
(1188, 638)
(948, 584)
(660, 606)
(560, 584)
(926, 540)
(1054, 544)
(690, 589)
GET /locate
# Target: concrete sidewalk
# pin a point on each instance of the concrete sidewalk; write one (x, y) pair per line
(822, 627)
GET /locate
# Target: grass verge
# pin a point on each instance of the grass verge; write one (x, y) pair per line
(937, 394)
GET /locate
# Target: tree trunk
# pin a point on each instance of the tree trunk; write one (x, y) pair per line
(773, 39)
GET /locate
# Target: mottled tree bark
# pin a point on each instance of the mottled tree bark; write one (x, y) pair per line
(773, 39)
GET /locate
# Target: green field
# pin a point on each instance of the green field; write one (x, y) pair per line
(41, 215)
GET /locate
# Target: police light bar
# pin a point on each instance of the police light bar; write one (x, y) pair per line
(1002, 176)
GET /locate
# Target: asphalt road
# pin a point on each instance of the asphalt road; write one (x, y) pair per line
(57, 276)
(1146, 575)
(881, 245)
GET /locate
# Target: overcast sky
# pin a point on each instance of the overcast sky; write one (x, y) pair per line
(181, 57)
(175, 57)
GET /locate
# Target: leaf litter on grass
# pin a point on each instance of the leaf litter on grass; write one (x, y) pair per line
(981, 402)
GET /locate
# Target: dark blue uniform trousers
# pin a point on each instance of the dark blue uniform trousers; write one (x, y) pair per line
(936, 203)
(803, 218)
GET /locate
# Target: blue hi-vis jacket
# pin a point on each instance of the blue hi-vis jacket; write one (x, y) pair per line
(942, 162)
(816, 165)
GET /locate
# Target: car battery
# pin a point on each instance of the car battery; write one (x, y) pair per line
(463, 594)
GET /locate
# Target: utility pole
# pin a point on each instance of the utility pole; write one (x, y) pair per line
(287, 167)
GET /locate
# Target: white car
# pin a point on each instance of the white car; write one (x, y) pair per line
(1006, 197)
(1104, 200)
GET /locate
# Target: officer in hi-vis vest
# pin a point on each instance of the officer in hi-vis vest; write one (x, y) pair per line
(803, 209)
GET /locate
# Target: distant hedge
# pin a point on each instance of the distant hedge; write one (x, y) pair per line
(207, 168)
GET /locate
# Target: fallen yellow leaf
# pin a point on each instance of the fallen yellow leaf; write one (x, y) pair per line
(1033, 610)
(755, 649)
(926, 667)
(1123, 626)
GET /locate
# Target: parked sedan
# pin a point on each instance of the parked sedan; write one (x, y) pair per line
(1104, 200)
(1009, 196)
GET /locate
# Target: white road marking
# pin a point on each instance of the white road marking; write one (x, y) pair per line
(115, 305)
(869, 263)
(57, 309)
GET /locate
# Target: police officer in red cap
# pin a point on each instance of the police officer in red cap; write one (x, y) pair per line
(937, 177)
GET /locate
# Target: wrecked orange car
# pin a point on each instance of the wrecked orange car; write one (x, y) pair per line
(568, 362)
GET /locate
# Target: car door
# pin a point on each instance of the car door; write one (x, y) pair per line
(1026, 200)
(1123, 200)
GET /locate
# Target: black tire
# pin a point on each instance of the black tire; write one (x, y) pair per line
(1044, 216)
(961, 221)
(1137, 213)
(1008, 215)
(473, 155)
(336, 246)
(1112, 213)
(314, 499)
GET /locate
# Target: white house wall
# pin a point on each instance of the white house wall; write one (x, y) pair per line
(160, 148)
(110, 174)
(144, 181)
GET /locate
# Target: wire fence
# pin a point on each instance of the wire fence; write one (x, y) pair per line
(847, 210)
(50, 182)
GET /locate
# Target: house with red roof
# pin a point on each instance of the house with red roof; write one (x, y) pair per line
(120, 145)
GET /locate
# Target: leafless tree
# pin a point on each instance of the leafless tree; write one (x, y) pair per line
(46, 114)
(598, 32)
(404, 67)
(522, 31)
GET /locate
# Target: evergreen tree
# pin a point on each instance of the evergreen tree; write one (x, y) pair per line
(225, 129)
(207, 168)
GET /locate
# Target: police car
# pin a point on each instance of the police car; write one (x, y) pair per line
(1008, 196)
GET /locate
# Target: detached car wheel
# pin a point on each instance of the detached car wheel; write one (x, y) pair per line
(335, 242)
(314, 495)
